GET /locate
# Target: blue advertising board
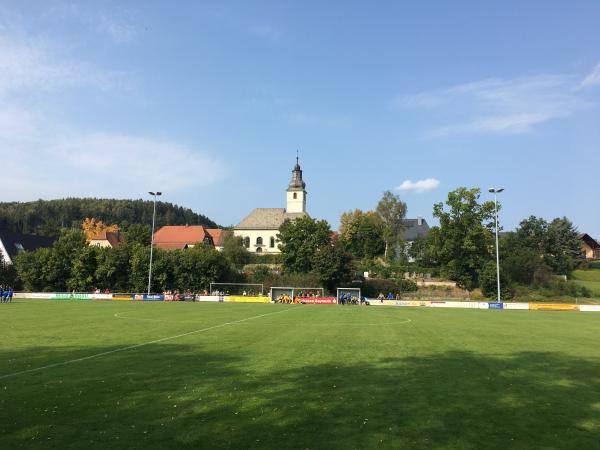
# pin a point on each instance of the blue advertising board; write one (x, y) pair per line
(154, 297)
(496, 305)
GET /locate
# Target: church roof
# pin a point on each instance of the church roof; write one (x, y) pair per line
(415, 228)
(267, 219)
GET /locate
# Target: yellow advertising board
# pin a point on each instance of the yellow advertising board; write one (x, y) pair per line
(553, 307)
(246, 299)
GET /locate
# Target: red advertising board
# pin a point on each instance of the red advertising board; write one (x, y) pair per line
(318, 300)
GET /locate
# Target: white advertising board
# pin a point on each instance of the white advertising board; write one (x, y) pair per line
(516, 306)
(208, 298)
(589, 308)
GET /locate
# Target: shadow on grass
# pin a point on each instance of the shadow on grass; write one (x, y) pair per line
(169, 395)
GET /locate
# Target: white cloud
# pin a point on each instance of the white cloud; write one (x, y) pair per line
(420, 186)
(43, 156)
(499, 106)
(593, 78)
(31, 65)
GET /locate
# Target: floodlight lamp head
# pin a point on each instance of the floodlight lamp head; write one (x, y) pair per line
(160, 193)
(151, 193)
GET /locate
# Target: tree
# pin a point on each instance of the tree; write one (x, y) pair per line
(489, 284)
(464, 240)
(83, 270)
(7, 272)
(519, 261)
(391, 210)
(32, 270)
(113, 268)
(197, 267)
(563, 249)
(234, 250)
(57, 269)
(138, 234)
(299, 241)
(361, 233)
(332, 264)
(92, 227)
(49, 217)
(537, 242)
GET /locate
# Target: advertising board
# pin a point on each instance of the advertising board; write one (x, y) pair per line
(318, 300)
(516, 305)
(494, 305)
(589, 308)
(101, 296)
(208, 298)
(246, 299)
(553, 307)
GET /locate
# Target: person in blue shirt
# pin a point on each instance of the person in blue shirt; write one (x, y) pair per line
(1, 293)
(10, 294)
(390, 296)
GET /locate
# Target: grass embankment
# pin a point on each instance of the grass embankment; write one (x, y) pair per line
(281, 376)
(590, 278)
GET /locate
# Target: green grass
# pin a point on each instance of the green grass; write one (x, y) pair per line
(317, 377)
(589, 278)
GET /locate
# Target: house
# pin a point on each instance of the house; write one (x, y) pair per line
(589, 246)
(259, 229)
(110, 239)
(172, 237)
(414, 229)
(11, 244)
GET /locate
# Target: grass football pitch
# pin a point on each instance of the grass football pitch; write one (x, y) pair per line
(149, 375)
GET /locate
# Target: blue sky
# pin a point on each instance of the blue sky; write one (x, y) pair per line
(209, 101)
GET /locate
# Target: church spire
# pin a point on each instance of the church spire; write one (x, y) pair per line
(296, 191)
(297, 183)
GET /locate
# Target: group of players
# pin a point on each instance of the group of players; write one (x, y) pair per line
(6, 293)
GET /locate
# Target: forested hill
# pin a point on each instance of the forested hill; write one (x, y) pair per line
(47, 217)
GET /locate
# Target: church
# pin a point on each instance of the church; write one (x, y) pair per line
(259, 229)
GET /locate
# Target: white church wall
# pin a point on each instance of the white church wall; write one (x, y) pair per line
(266, 236)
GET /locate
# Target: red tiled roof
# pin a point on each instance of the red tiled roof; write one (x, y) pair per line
(178, 236)
(114, 238)
(218, 235)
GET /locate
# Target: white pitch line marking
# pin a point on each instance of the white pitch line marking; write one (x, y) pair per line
(130, 347)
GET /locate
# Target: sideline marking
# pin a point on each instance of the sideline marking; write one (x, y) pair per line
(130, 347)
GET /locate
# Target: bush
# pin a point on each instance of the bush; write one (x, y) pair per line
(489, 284)
(373, 287)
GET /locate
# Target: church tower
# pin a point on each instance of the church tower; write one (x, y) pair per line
(296, 192)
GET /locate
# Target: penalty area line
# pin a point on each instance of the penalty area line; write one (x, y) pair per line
(143, 344)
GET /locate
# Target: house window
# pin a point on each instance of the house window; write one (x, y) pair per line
(247, 242)
(259, 241)
(258, 250)
(272, 242)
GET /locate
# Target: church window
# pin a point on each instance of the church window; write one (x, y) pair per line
(259, 241)
(246, 242)
(295, 196)
(258, 250)
(272, 242)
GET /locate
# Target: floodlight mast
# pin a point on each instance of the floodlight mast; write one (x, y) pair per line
(154, 194)
(496, 191)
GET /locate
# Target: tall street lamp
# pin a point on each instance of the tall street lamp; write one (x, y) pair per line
(496, 191)
(154, 194)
